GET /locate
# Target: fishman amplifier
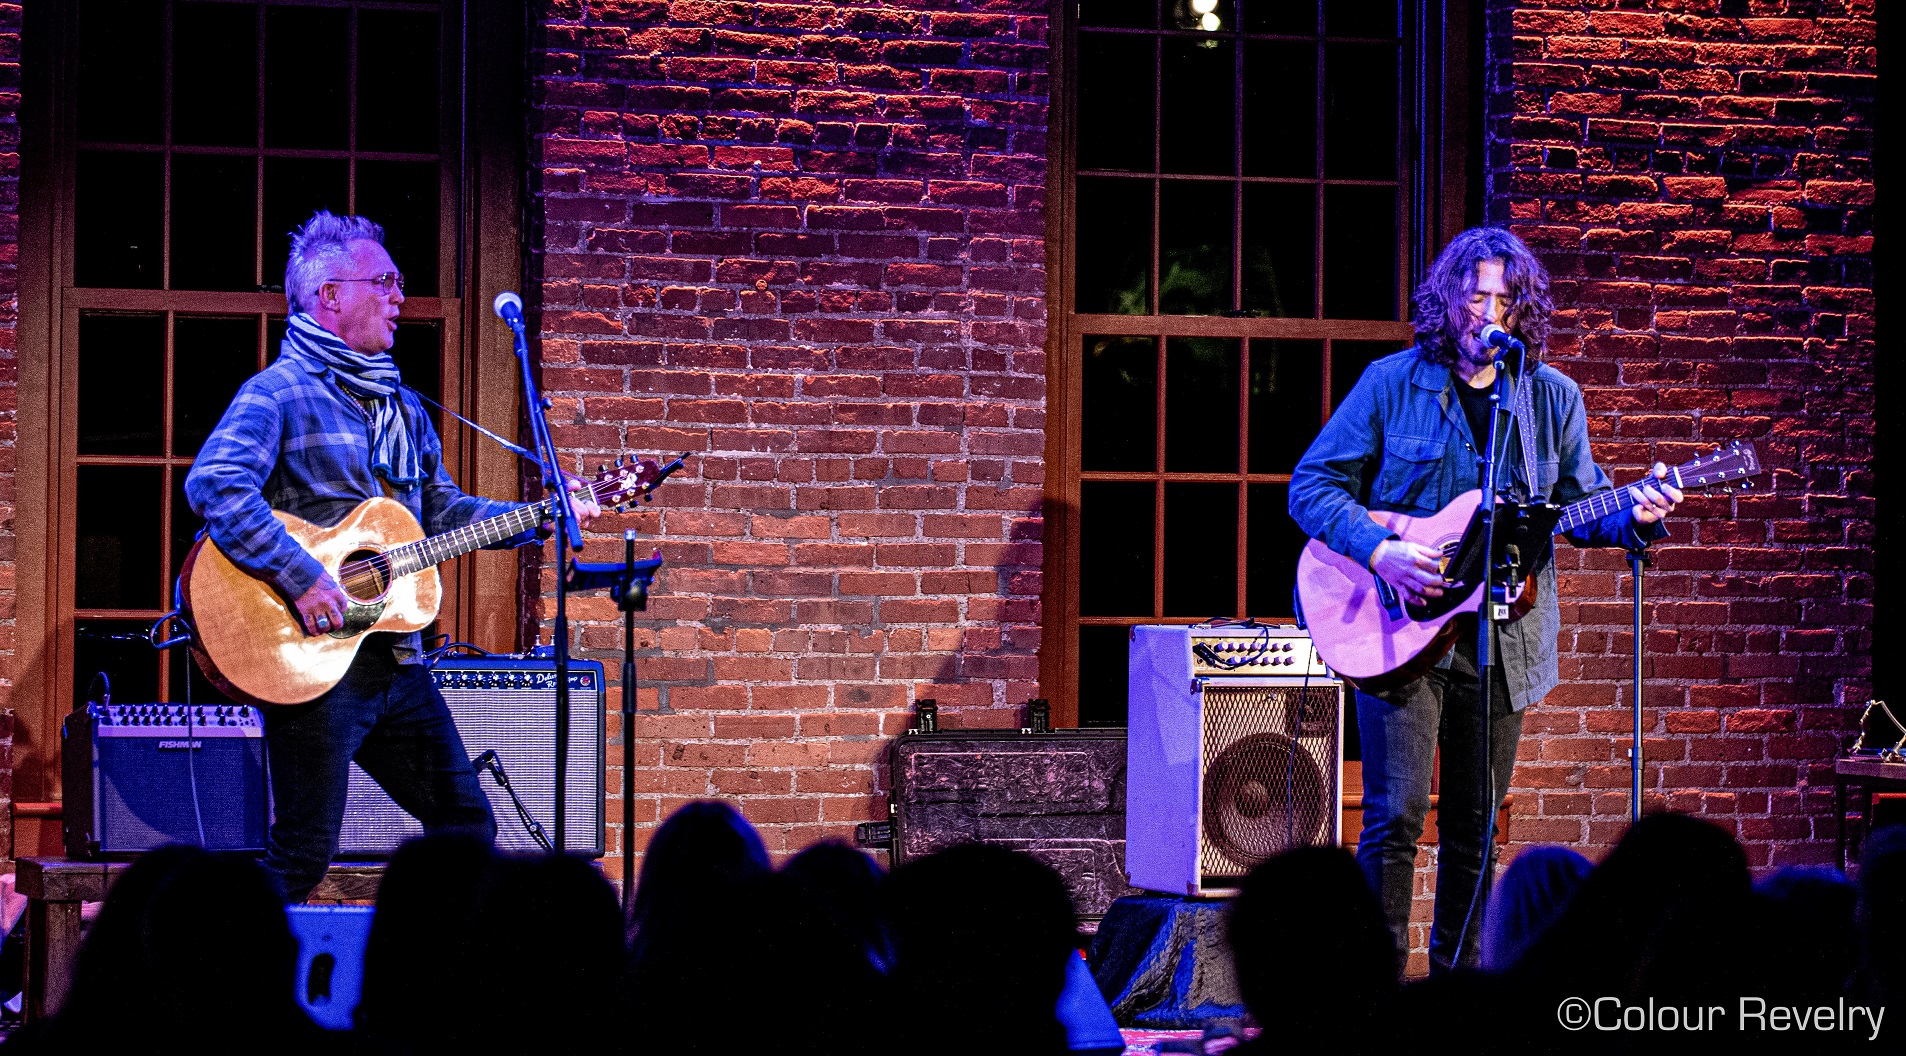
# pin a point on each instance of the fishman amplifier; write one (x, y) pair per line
(505, 705)
(139, 776)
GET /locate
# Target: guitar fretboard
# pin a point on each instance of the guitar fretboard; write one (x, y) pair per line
(425, 553)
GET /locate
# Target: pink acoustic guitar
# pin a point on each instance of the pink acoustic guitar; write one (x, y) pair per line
(1373, 640)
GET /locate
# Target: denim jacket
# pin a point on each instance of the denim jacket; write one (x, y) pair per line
(1400, 443)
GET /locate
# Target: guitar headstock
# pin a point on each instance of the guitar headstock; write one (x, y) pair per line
(1736, 462)
(630, 481)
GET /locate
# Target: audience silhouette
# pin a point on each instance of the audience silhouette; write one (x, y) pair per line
(965, 950)
(192, 953)
(981, 938)
(1532, 892)
(1315, 958)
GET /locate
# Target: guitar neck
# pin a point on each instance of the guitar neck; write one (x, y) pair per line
(424, 553)
(1593, 508)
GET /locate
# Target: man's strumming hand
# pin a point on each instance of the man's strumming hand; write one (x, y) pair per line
(1415, 571)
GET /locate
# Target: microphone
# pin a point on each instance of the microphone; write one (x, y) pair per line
(508, 307)
(1492, 336)
(484, 761)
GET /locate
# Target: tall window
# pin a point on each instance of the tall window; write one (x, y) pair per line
(1235, 249)
(247, 117)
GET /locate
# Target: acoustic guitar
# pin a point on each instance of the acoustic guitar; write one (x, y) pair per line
(1374, 641)
(249, 641)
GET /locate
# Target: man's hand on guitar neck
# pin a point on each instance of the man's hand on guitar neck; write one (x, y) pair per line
(1415, 571)
(1654, 501)
(583, 501)
(321, 610)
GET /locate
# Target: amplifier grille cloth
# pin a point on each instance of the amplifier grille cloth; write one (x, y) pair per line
(520, 726)
(1259, 797)
(145, 793)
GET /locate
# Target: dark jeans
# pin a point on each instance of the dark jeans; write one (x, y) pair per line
(390, 718)
(1401, 730)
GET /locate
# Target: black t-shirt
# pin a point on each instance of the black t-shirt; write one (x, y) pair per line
(1476, 409)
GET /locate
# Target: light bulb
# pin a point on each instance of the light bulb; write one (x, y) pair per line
(1204, 7)
(1209, 22)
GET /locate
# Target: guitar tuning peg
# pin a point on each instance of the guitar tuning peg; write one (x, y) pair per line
(618, 462)
(603, 468)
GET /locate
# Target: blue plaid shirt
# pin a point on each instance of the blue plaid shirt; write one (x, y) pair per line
(293, 440)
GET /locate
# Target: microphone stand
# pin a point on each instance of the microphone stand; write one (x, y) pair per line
(570, 538)
(1637, 560)
(1494, 609)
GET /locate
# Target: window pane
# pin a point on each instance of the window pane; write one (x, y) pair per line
(397, 81)
(1115, 548)
(1360, 104)
(1114, 239)
(1280, 108)
(115, 50)
(275, 337)
(213, 357)
(1127, 14)
(1180, 14)
(294, 189)
(1359, 253)
(1280, 249)
(1280, 16)
(118, 213)
(1201, 549)
(402, 196)
(1119, 405)
(201, 690)
(1201, 405)
(1194, 247)
(1197, 86)
(307, 73)
(1116, 82)
(1274, 541)
(185, 526)
(215, 75)
(119, 648)
(1348, 360)
(117, 562)
(1361, 18)
(1286, 400)
(121, 384)
(1104, 679)
(418, 351)
(213, 209)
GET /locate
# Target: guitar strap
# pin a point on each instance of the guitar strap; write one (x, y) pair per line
(1524, 407)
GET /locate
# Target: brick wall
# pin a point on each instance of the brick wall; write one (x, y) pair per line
(1699, 178)
(9, 380)
(803, 243)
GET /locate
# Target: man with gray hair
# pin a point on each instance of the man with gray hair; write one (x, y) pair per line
(328, 425)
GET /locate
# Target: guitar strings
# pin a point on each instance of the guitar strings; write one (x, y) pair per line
(370, 576)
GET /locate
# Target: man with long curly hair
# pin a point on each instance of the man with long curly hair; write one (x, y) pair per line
(1408, 438)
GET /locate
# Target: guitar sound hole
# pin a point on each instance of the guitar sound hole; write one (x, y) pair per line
(368, 582)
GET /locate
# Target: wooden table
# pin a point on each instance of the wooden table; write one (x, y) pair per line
(55, 887)
(1871, 774)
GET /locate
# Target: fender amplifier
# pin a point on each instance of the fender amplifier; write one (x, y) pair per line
(139, 776)
(505, 705)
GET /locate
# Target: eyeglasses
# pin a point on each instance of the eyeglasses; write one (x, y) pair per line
(383, 282)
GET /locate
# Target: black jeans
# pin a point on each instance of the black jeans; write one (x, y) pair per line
(390, 718)
(1401, 730)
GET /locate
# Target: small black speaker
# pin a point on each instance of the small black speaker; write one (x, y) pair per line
(139, 776)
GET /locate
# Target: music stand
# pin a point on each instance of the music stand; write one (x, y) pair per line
(627, 582)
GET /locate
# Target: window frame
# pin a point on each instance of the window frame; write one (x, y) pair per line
(479, 212)
(1438, 85)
